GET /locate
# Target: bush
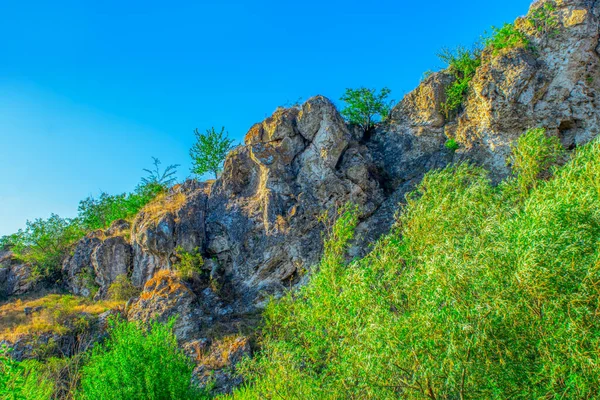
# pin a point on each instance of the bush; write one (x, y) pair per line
(138, 362)
(532, 157)
(189, 265)
(544, 18)
(44, 243)
(122, 289)
(452, 145)
(99, 213)
(364, 107)
(462, 64)
(507, 37)
(21, 380)
(470, 296)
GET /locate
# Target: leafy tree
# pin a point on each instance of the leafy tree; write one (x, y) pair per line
(364, 107)
(209, 151)
(165, 178)
(138, 362)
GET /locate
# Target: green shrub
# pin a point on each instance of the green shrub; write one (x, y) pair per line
(364, 107)
(507, 37)
(138, 362)
(470, 296)
(21, 380)
(533, 155)
(44, 243)
(99, 213)
(189, 265)
(462, 64)
(122, 289)
(452, 145)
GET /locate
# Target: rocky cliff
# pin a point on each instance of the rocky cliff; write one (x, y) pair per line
(257, 226)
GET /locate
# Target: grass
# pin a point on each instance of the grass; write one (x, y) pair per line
(162, 205)
(480, 291)
(48, 314)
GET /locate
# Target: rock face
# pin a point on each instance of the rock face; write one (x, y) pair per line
(98, 259)
(14, 276)
(552, 84)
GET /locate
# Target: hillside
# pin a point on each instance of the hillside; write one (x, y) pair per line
(463, 263)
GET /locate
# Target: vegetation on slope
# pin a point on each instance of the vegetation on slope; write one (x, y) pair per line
(480, 291)
(138, 362)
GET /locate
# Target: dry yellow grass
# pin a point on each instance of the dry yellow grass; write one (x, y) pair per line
(163, 204)
(47, 314)
(162, 284)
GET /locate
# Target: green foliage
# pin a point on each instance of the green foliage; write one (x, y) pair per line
(99, 213)
(44, 243)
(507, 37)
(364, 107)
(533, 155)
(209, 151)
(138, 362)
(544, 18)
(462, 64)
(189, 264)
(21, 380)
(122, 289)
(452, 145)
(470, 296)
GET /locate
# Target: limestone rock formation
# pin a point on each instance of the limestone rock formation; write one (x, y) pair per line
(98, 259)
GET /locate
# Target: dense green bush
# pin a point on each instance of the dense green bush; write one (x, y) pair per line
(100, 212)
(507, 37)
(189, 264)
(475, 294)
(138, 362)
(462, 63)
(21, 380)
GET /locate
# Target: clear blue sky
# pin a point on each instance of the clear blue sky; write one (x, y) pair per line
(90, 90)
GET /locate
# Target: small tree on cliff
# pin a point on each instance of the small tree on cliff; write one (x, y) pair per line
(209, 151)
(365, 107)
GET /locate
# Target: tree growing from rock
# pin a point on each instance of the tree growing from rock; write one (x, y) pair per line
(365, 107)
(209, 151)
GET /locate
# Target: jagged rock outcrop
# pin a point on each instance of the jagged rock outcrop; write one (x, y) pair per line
(554, 83)
(98, 259)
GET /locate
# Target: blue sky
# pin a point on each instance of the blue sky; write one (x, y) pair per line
(91, 90)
